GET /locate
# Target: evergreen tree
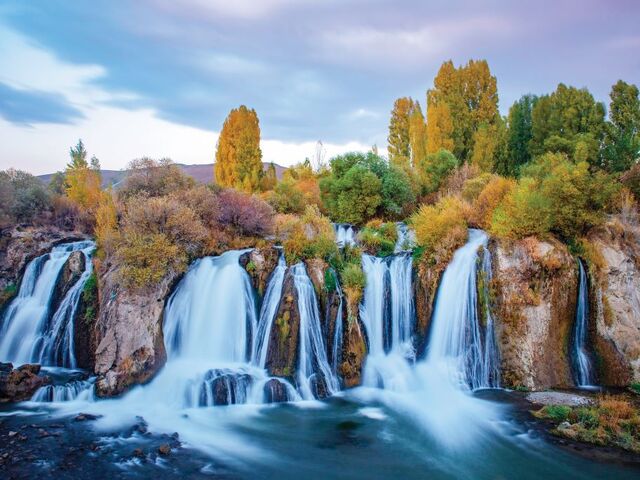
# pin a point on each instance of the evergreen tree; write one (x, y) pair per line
(622, 140)
(238, 155)
(82, 181)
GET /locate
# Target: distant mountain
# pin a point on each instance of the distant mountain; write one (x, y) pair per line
(201, 173)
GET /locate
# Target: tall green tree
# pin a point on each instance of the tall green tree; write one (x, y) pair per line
(622, 139)
(238, 154)
(519, 135)
(568, 121)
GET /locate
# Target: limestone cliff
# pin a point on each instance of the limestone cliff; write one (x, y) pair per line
(613, 256)
(535, 287)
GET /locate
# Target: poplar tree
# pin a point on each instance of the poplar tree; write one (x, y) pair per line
(238, 155)
(399, 138)
(439, 125)
(82, 181)
(622, 141)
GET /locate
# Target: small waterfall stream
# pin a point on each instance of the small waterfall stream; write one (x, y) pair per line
(314, 371)
(345, 234)
(31, 330)
(583, 371)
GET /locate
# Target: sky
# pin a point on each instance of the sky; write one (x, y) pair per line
(158, 77)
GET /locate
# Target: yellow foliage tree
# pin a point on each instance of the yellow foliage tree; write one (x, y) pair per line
(439, 125)
(238, 154)
(82, 181)
(106, 229)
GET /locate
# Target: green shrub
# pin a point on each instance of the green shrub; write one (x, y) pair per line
(558, 413)
(8, 293)
(379, 238)
(635, 387)
(330, 283)
(310, 236)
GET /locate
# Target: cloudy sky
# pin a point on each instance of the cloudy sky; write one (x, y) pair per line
(158, 77)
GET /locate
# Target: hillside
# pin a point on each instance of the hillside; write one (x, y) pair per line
(200, 172)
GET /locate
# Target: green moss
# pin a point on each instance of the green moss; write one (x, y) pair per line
(635, 388)
(330, 283)
(8, 293)
(558, 413)
(90, 296)
(251, 267)
(284, 327)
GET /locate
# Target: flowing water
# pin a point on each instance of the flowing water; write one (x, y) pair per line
(583, 371)
(412, 418)
(32, 331)
(406, 238)
(345, 234)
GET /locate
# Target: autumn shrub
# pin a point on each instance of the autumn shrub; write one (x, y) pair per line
(23, 198)
(353, 284)
(245, 213)
(286, 197)
(472, 187)
(378, 238)
(631, 180)
(144, 259)
(488, 199)
(106, 224)
(309, 236)
(440, 228)
(204, 202)
(151, 178)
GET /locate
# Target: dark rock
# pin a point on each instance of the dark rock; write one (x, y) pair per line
(138, 453)
(354, 351)
(275, 391)
(21, 383)
(164, 449)
(83, 417)
(259, 264)
(68, 276)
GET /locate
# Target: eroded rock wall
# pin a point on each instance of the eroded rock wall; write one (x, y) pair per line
(535, 289)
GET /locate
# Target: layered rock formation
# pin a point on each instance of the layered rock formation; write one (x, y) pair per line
(282, 354)
(613, 256)
(259, 263)
(535, 289)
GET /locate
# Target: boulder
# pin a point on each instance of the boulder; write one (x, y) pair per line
(354, 352)
(613, 257)
(21, 383)
(275, 391)
(535, 285)
(69, 275)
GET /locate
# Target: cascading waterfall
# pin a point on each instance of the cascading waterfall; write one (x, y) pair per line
(583, 371)
(314, 371)
(270, 304)
(345, 234)
(73, 390)
(337, 330)
(491, 359)
(387, 312)
(456, 339)
(30, 331)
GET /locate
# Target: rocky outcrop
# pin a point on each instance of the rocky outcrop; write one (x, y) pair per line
(130, 345)
(282, 354)
(19, 246)
(426, 281)
(275, 391)
(613, 256)
(259, 264)
(535, 288)
(21, 383)
(85, 340)
(69, 275)
(354, 353)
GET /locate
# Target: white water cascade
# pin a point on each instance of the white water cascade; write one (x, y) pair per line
(583, 372)
(457, 340)
(406, 238)
(31, 331)
(313, 366)
(270, 304)
(345, 234)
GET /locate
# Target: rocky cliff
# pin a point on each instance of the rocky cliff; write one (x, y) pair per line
(613, 256)
(535, 289)
(282, 354)
(130, 345)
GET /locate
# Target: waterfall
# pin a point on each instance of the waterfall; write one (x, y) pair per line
(345, 235)
(314, 370)
(583, 371)
(406, 238)
(73, 390)
(337, 329)
(268, 312)
(31, 331)
(491, 358)
(456, 339)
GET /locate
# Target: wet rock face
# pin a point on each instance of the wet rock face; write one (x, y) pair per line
(614, 269)
(354, 352)
(282, 354)
(21, 383)
(259, 263)
(535, 285)
(275, 391)
(426, 281)
(69, 275)
(130, 345)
